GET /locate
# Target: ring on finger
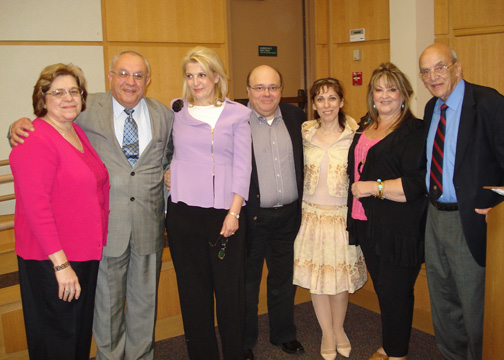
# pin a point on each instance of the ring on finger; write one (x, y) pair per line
(67, 291)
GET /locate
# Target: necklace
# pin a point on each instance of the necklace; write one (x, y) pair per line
(71, 137)
(368, 141)
(363, 152)
(62, 132)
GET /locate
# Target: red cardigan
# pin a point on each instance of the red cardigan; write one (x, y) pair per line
(58, 202)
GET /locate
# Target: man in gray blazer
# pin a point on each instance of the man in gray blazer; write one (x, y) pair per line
(126, 293)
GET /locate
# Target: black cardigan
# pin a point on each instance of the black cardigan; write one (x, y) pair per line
(395, 230)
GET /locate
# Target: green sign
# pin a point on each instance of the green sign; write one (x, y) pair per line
(268, 50)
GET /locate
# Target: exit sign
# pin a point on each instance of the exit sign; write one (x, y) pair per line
(268, 50)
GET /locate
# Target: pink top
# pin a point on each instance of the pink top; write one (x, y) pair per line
(62, 196)
(360, 153)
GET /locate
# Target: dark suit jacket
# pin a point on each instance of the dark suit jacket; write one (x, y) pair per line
(479, 160)
(293, 117)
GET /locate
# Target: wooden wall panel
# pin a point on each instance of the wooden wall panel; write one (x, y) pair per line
(322, 70)
(481, 57)
(322, 21)
(168, 300)
(493, 346)
(477, 13)
(190, 21)
(441, 19)
(373, 15)
(372, 53)
(166, 74)
(272, 23)
(14, 331)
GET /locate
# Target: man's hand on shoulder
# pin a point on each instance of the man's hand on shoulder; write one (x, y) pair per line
(19, 130)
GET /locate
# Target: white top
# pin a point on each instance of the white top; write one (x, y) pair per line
(207, 114)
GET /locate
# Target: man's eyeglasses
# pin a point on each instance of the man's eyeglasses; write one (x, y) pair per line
(438, 71)
(61, 93)
(124, 75)
(222, 243)
(262, 88)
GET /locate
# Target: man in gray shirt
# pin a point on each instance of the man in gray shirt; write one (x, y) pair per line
(274, 208)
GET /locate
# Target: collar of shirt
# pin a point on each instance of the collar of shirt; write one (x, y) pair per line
(261, 119)
(141, 116)
(454, 101)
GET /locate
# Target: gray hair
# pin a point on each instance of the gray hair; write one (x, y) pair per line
(453, 55)
(116, 56)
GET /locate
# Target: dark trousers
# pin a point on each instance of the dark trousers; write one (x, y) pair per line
(201, 275)
(57, 329)
(456, 287)
(394, 286)
(271, 238)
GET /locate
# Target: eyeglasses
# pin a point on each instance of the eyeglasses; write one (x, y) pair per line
(124, 75)
(61, 93)
(438, 71)
(222, 243)
(262, 88)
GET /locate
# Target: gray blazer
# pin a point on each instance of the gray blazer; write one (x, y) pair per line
(136, 194)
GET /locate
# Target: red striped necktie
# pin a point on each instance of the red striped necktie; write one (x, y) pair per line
(436, 171)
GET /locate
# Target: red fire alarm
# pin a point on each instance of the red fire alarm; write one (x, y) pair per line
(357, 78)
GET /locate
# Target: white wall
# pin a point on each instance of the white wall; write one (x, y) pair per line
(411, 31)
(29, 34)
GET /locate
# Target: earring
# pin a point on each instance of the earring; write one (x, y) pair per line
(374, 106)
(402, 105)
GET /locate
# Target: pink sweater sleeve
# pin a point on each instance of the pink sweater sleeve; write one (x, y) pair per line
(34, 166)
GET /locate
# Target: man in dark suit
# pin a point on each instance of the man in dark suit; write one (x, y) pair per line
(274, 208)
(463, 154)
(131, 262)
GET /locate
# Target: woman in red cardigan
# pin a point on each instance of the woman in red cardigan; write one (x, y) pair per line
(61, 219)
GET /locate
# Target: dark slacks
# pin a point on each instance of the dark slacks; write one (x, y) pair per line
(201, 275)
(272, 238)
(456, 287)
(394, 286)
(57, 329)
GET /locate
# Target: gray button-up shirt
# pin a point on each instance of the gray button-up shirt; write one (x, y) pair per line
(274, 160)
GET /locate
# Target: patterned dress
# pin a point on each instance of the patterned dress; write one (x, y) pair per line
(324, 263)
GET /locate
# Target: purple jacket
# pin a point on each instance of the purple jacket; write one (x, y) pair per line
(200, 152)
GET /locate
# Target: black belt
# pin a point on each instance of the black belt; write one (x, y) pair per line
(445, 206)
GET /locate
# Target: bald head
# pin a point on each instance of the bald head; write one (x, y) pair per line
(264, 102)
(443, 69)
(440, 49)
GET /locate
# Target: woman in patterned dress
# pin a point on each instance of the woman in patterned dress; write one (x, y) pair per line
(324, 262)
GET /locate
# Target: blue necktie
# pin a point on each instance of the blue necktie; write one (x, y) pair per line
(130, 138)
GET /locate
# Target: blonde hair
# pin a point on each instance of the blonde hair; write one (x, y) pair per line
(391, 76)
(211, 63)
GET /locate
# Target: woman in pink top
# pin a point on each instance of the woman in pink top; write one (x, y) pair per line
(386, 212)
(61, 219)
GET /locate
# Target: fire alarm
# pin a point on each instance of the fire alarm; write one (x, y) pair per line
(357, 78)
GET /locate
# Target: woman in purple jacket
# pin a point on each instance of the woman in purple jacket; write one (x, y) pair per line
(210, 177)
